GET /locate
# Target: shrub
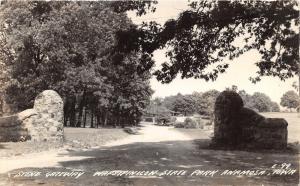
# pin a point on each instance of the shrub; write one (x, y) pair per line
(208, 123)
(149, 119)
(172, 121)
(206, 117)
(192, 124)
(179, 125)
(275, 107)
(163, 119)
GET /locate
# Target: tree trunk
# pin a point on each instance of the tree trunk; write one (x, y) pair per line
(118, 120)
(84, 118)
(92, 118)
(66, 112)
(105, 117)
(123, 122)
(81, 105)
(98, 119)
(72, 112)
(114, 120)
(299, 78)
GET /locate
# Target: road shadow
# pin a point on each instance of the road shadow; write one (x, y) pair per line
(2, 146)
(189, 155)
(176, 155)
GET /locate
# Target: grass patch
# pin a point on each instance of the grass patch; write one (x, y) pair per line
(90, 137)
(73, 137)
(8, 149)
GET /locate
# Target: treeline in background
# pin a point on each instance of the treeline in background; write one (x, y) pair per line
(202, 103)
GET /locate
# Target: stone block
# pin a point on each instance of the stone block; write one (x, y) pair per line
(9, 121)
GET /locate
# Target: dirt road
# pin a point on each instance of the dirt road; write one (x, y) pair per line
(158, 155)
(148, 133)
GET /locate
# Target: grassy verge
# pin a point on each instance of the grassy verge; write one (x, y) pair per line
(74, 138)
(195, 133)
(9, 149)
(87, 137)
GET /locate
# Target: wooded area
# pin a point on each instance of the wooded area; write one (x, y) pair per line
(68, 47)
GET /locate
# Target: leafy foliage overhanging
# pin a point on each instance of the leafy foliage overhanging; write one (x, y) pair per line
(207, 33)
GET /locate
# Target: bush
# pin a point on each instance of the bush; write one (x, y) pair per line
(192, 124)
(206, 117)
(179, 125)
(163, 119)
(172, 121)
(275, 107)
(208, 123)
(149, 119)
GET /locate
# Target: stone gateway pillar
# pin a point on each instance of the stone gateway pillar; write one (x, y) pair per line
(49, 106)
(240, 127)
(226, 111)
(44, 122)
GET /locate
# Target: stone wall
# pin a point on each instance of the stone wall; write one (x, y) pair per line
(240, 127)
(44, 122)
(271, 133)
(5, 108)
(11, 129)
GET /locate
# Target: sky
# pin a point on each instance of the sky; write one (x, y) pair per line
(238, 73)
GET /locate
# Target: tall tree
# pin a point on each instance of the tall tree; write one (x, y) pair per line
(54, 42)
(69, 47)
(207, 102)
(184, 104)
(262, 102)
(259, 102)
(290, 99)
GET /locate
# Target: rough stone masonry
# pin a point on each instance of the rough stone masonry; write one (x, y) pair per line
(240, 127)
(44, 122)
